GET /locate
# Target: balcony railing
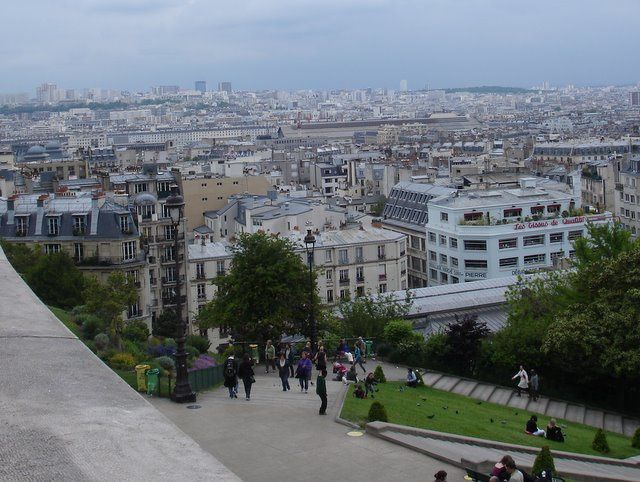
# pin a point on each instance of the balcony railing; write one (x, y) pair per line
(109, 260)
(171, 259)
(201, 276)
(79, 231)
(171, 281)
(171, 300)
(382, 256)
(21, 232)
(382, 277)
(619, 186)
(343, 260)
(220, 272)
(359, 279)
(359, 259)
(344, 281)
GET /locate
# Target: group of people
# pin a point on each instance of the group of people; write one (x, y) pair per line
(553, 432)
(527, 383)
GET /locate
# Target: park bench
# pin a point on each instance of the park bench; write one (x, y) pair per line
(476, 476)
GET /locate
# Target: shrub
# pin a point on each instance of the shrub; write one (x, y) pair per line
(436, 351)
(170, 342)
(635, 440)
(133, 348)
(383, 349)
(123, 361)
(202, 343)
(600, 443)
(166, 363)
(192, 352)
(203, 361)
(544, 461)
(136, 331)
(101, 341)
(377, 412)
(159, 350)
(378, 374)
(77, 310)
(400, 331)
(91, 326)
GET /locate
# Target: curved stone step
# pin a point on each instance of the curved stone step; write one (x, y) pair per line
(500, 396)
(482, 391)
(431, 378)
(575, 413)
(464, 387)
(556, 409)
(593, 417)
(446, 383)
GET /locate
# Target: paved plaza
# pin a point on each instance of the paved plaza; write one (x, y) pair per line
(280, 435)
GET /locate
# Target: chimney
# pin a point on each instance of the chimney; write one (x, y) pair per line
(11, 209)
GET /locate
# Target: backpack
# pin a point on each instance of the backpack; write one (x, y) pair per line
(229, 369)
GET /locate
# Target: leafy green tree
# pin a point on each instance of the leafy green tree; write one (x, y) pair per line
(399, 331)
(603, 241)
(265, 293)
(21, 256)
(165, 324)
(600, 443)
(56, 280)
(109, 300)
(543, 461)
(367, 316)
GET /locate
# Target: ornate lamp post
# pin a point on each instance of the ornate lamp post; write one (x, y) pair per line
(310, 245)
(182, 392)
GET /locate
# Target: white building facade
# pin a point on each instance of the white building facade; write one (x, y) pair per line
(497, 233)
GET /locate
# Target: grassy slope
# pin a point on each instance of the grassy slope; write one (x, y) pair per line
(65, 317)
(474, 420)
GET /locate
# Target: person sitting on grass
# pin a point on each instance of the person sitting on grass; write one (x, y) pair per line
(532, 427)
(412, 380)
(358, 392)
(554, 432)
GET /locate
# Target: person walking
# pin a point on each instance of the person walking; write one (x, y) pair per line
(358, 359)
(303, 372)
(363, 348)
(534, 384)
(283, 371)
(290, 353)
(231, 376)
(523, 383)
(321, 390)
(245, 371)
(321, 359)
(270, 356)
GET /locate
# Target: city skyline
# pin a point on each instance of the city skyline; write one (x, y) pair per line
(303, 45)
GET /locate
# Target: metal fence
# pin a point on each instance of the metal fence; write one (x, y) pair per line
(206, 378)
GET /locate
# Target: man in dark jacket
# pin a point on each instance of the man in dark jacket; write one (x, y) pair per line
(231, 376)
(321, 390)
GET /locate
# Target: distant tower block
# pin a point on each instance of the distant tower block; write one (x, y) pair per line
(404, 86)
(201, 86)
(634, 98)
(224, 87)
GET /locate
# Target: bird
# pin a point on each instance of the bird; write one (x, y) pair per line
(431, 416)
(491, 420)
(445, 407)
(503, 421)
(424, 399)
(457, 412)
(479, 402)
(417, 404)
(516, 413)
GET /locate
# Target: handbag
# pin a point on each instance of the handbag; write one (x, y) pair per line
(252, 379)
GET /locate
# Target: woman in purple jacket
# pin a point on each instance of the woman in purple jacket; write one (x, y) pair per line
(303, 372)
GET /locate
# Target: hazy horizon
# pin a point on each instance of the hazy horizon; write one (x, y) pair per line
(304, 44)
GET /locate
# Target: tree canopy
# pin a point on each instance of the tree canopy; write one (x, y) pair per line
(265, 293)
(367, 316)
(56, 280)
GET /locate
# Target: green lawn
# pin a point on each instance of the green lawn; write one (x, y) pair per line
(467, 416)
(65, 317)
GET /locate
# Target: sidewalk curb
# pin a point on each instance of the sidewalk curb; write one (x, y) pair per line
(340, 402)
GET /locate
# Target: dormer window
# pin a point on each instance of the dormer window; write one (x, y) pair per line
(53, 224)
(79, 224)
(140, 187)
(22, 225)
(124, 224)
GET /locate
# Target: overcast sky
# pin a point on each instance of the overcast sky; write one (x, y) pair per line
(298, 44)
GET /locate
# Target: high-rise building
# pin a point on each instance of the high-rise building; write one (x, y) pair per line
(47, 93)
(404, 86)
(224, 87)
(634, 98)
(201, 86)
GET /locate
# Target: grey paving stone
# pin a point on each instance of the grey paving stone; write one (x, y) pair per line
(430, 378)
(446, 383)
(595, 418)
(482, 391)
(556, 409)
(575, 413)
(465, 387)
(519, 402)
(613, 422)
(501, 396)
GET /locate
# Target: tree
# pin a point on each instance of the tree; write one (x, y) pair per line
(377, 412)
(110, 300)
(544, 461)
(367, 316)
(20, 255)
(600, 443)
(604, 241)
(56, 280)
(463, 339)
(265, 293)
(165, 324)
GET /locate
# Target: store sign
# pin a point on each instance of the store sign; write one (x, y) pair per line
(461, 274)
(557, 222)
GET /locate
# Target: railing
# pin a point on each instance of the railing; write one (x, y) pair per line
(201, 276)
(359, 259)
(344, 281)
(79, 231)
(343, 260)
(206, 378)
(21, 232)
(108, 260)
(382, 277)
(221, 272)
(202, 296)
(382, 256)
(171, 300)
(359, 279)
(163, 194)
(167, 281)
(171, 259)
(619, 186)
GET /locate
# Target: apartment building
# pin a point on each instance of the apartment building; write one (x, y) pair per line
(406, 212)
(99, 234)
(628, 199)
(491, 234)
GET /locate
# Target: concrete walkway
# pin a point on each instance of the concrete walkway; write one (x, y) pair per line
(279, 435)
(559, 409)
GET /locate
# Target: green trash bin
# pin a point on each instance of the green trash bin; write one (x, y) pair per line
(253, 351)
(141, 371)
(369, 347)
(152, 380)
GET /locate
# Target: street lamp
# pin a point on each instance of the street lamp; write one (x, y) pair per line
(182, 392)
(310, 245)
